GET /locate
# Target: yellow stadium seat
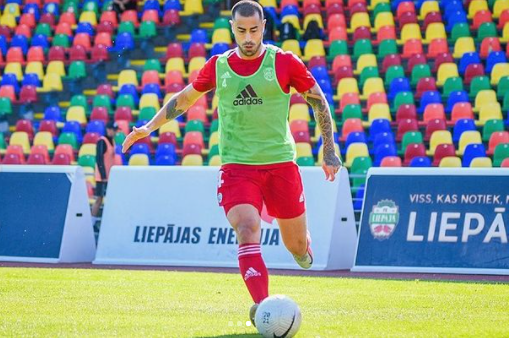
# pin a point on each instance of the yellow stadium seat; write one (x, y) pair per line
(292, 46)
(90, 177)
(320, 153)
(310, 17)
(14, 68)
(87, 149)
(215, 161)
(175, 64)
(8, 20)
(450, 162)
(466, 138)
(481, 162)
(35, 67)
(214, 139)
(193, 7)
(20, 138)
(299, 111)
(303, 149)
(483, 97)
(139, 160)
(293, 20)
(12, 9)
(44, 138)
(222, 35)
(359, 19)
(434, 31)
(439, 137)
(52, 82)
(192, 160)
(171, 127)
(89, 17)
(379, 111)
(268, 3)
(499, 71)
(463, 45)
(365, 60)
(76, 113)
(354, 150)
(314, 47)
(445, 71)
(372, 85)
(410, 31)
(347, 85)
(489, 111)
(215, 101)
(56, 67)
(428, 7)
(150, 100)
(505, 33)
(127, 76)
(384, 19)
(499, 7)
(196, 63)
(476, 6)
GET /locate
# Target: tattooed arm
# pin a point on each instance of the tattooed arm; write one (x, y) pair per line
(176, 106)
(316, 99)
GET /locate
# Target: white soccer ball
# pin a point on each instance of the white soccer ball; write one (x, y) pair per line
(278, 316)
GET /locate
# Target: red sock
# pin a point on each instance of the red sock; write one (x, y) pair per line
(253, 271)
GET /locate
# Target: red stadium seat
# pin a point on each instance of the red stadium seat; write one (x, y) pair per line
(432, 126)
(82, 39)
(436, 47)
(195, 50)
(8, 91)
(99, 113)
(175, 50)
(488, 45)
(150, 15)
(168, 138)
(434, 111)
(461, 110)
(68, 17)
(391, 161)
(56, 53)
(105, 27)
(441, 151)
(27, 19)
(123, 114)
(28, 94)
(49, 125)
(495, 139)
(24, 30)
(42, 150)
(49, 19)
(103, 39)
(405, 126)
(63, 28)
(414, 150)
(171, 18)
(65, 149)
(350, 126)
(12, 159)
(425, 84)
(412, 47)
(15, 54)
(473, 70)
(197, 113)
(405, 112)
(61, 159)
(431, 17)
(105, 89)
(386, 33)
(194, 137)
(26, 126)
(77, 53)
(481, 17)
(99, 53)
(109, 16)
(35, 53)
(130, 15)
(150, 76)
(91, 138)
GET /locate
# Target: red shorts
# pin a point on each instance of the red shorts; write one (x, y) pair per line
(278, 185)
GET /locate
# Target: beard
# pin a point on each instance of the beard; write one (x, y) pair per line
(250, 52)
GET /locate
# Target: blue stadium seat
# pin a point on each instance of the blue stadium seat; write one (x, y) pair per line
(455, 97)
(20, 41)
(96, 126)
(152, 88)
(290, 10)
(472, 151)
(199, 36)
(51, 8)
(379, 126)
(429, 97)
(166, 149)
(400, 84)
(118, 151)
(468, 59)
(10, 80)
(454, 18)
(85, 27)
(320, 73)
(353, 137)
(73, 127)
(172, 4)
(383, 151)
(31, 79)
(32, 9)
(130, 89)
(140, 148)
(219, 48)
(152, 5)
(461, 126)
(383, 138)
(165, 160)
(359, 198)
(123, 42)
(494, 58)
(3, 45)
(40, 40)
(420, 162)
(53, 113)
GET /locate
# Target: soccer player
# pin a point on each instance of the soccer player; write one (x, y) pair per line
(257, 150)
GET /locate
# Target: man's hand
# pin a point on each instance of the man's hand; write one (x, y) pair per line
(331, 165)
(135, 135)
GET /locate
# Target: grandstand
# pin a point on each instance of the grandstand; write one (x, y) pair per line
(411, 83)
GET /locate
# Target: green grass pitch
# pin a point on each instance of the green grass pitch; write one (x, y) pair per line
(127, 303)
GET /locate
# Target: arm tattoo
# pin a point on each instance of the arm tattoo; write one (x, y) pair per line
(171, 111)
(323, 116)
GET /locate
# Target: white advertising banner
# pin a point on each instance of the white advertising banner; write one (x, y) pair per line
(170, 216)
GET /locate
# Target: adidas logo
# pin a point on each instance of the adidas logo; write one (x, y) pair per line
(247, 97)
(251, 272)
(226, 76)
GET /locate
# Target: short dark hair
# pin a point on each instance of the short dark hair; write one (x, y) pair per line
(247, 8)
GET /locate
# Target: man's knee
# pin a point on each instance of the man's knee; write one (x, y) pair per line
(297, 246)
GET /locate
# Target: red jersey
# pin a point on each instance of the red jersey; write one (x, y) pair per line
(290, 71)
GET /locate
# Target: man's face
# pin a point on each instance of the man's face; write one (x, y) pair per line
(248, 32)
(110, 132)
